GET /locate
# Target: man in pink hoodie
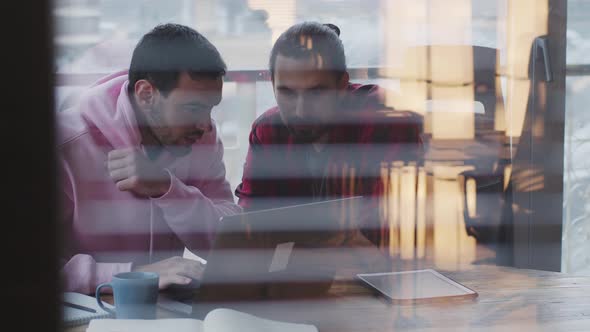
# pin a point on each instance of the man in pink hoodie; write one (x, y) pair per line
(141, 164)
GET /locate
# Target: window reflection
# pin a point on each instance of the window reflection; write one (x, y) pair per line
(455, 78)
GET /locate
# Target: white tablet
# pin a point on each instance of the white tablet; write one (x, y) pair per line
(415, 286)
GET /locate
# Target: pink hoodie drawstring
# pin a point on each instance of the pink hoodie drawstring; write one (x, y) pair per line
(151, 230)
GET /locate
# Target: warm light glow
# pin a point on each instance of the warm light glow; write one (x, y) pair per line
(517, 98)
(421, 214)
(404, 22)
(526, 20)
(450, 123)
(394, 206)
(507, 174)
(407, 211)
(449, 69)
(384, 201)
(452, 245)
(471, 192)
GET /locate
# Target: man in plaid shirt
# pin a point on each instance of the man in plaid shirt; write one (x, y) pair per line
(327, 138)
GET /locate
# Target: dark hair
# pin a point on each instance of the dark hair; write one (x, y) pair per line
(170, 49)
(325, 40)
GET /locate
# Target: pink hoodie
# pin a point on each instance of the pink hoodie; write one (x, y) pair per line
(107, 230)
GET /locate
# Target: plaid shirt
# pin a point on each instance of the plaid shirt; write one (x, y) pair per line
(282, 170)
(280, 166)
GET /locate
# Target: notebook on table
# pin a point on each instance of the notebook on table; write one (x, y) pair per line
(218, 320)
(78, 316)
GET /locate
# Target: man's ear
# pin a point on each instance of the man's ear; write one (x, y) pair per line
(145, 94)
(343, 82)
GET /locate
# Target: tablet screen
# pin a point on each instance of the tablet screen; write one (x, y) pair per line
(413, 285)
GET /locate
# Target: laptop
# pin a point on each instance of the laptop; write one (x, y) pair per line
(277, 253)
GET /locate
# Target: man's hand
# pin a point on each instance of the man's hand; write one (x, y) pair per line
(175, 270)
(132, 171)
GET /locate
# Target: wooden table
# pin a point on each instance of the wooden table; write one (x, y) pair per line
(509, 300)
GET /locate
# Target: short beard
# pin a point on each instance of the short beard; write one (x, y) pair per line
(161, 134)
(306, 138)
(178, 150)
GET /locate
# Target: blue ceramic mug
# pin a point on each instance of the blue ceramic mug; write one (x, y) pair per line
(135, 294)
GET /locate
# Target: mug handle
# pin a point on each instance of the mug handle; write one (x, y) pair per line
(99, 301)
